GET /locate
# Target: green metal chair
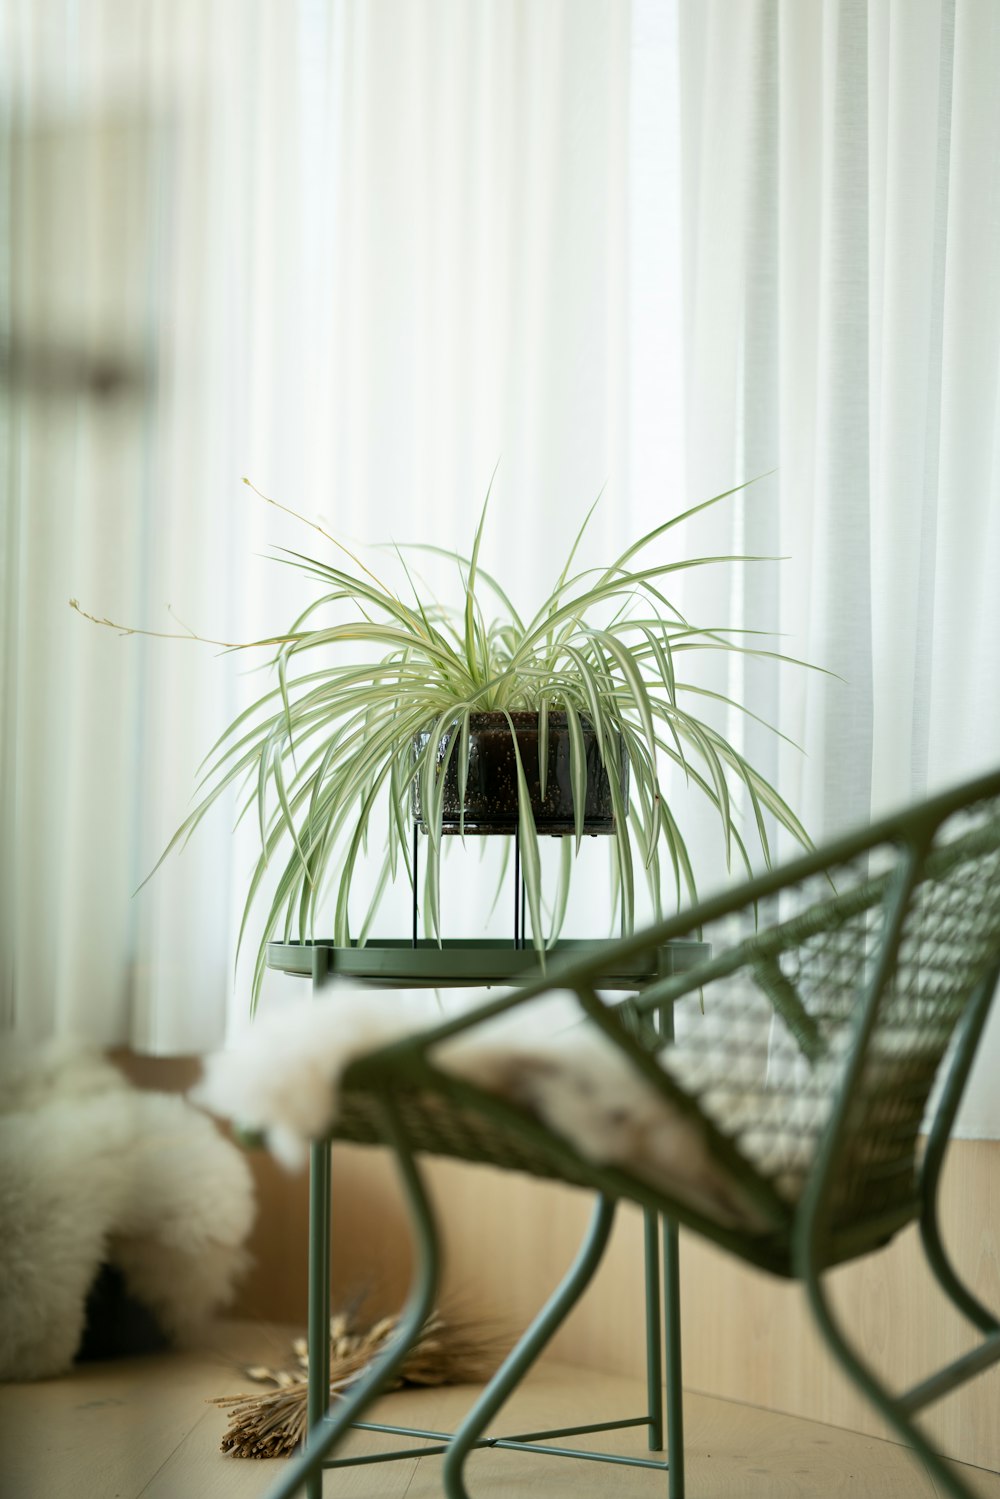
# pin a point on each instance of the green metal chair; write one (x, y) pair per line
(820, 1056)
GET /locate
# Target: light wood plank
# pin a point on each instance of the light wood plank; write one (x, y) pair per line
(140, 1429)
(107, 1429)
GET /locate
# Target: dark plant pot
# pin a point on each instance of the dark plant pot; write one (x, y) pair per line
(491, 804)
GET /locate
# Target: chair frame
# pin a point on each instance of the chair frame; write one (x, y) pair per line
(805, 1240)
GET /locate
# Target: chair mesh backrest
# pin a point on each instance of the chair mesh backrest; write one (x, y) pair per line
(766, 1052)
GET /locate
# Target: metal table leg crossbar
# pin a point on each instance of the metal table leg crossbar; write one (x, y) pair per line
(405, 964)
(454, 1446)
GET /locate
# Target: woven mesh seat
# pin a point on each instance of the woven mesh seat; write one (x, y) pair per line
(844, 973)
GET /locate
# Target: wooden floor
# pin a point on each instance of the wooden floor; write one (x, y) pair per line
(142, 1428)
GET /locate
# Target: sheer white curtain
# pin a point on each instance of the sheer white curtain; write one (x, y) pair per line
(359, 251)
(362, 251)
(841, 248)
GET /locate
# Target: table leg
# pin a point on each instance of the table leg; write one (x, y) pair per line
(672, 1325)
(319, 1295)
(675, 1396)
(654, 1359)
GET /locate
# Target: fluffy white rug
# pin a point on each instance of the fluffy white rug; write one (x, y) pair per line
(282, 1081)
(94, 1171)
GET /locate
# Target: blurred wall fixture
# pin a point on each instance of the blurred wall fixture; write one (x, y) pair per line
(48, 369)
(84, 236)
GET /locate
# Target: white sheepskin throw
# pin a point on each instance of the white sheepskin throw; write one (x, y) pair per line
(282, 1081)
(94, 1171)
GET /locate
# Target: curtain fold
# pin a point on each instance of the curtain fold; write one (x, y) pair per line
(841, 245)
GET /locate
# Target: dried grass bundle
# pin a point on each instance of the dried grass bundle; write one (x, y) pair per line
(272, 1423)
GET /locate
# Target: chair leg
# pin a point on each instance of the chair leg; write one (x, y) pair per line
(891, 1407)
(307, 1468)
(944, 1272)
(520, 1360)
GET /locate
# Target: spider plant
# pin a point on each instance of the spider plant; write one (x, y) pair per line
(372, 691)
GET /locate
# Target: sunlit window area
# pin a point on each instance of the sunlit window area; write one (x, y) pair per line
(499, 747)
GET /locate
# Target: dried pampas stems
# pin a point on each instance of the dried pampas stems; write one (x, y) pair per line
(273, 1423)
